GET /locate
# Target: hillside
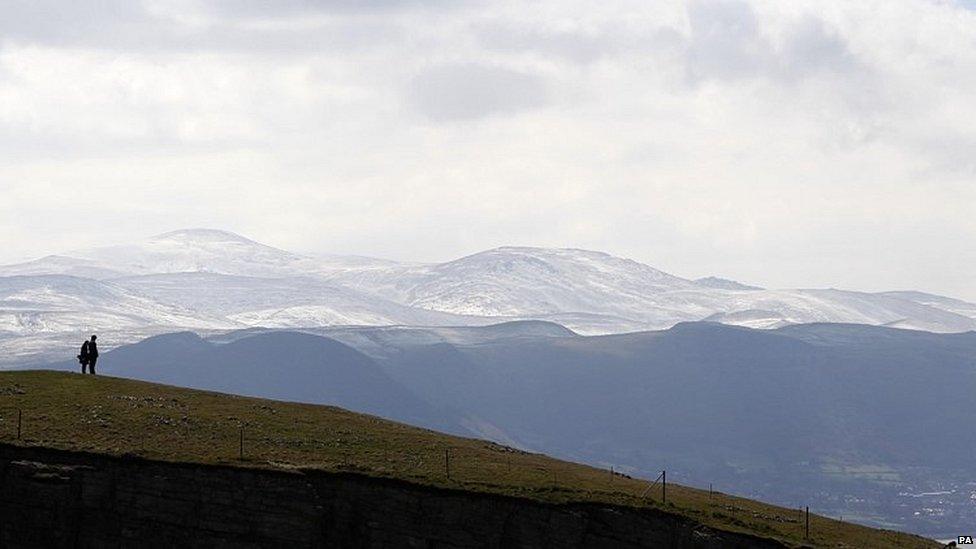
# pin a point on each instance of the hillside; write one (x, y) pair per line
(121, 417)
(851, 419)
(848, 419)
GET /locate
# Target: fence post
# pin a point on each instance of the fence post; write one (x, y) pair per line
(611, 474)
(242, 442)
(447, 462)
(806, 534)
(20, 420)
(664, 487)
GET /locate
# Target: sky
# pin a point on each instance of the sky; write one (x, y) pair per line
(788, 144)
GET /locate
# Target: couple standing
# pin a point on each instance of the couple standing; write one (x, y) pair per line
(89, 355)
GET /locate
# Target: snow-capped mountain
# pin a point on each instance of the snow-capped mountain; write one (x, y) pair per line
(56, 303)
(777, 308)
(197, 250)
(301, 301)
(61, 265)
(957, 306)
(49, 315)
(593, 292)
(522, 282)
(213, 280)
(212, 251)
(190, 251)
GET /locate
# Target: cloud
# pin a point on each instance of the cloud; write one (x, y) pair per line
(813, 47)
(569, 43)
(180, 26)
(814, 142)
(467, 91)
(728, 42)
(725, 41)
(63, 23)
(283, 8)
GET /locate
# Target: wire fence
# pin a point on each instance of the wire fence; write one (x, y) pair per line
(458, 464)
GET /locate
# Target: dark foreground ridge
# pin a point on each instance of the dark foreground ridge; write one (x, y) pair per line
(106, 461)
(52, 497)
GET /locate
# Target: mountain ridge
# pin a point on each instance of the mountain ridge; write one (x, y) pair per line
(222, 280)
(205, 234)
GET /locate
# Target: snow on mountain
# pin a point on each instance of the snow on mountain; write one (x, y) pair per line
(61, 265)
(594, 324)
(387, 341)
(593, 292)
(945, 303)
(47, 316)
(751, 318)
(776, 308)
(281, 302)
(195, 250)
(529, 282)
(54, 303)
(216, 251)
(723, 284)
(210, 279)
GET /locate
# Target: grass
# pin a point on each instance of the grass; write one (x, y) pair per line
(117, 416)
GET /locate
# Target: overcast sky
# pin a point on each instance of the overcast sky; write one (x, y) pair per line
(788, 144)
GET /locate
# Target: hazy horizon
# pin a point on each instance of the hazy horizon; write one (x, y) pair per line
(804, 144)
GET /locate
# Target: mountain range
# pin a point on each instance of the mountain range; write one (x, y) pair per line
(845, 400)
(871, 423)
(210, 280)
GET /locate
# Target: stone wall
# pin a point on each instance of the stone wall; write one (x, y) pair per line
(68, 499)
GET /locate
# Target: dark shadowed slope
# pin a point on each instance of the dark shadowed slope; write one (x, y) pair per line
(848, 417)
(717, 392)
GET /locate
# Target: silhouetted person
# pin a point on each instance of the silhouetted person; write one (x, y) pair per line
(83, 356)
(89, 355)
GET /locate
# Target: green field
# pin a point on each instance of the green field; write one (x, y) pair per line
(117, 416)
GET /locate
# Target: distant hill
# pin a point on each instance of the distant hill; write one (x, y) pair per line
(856, 416)
(870, 412)
(280, 365)
(138, 421)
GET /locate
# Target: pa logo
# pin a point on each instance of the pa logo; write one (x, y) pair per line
(964, 540)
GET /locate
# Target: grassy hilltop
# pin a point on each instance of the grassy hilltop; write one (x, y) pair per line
(117, 416)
